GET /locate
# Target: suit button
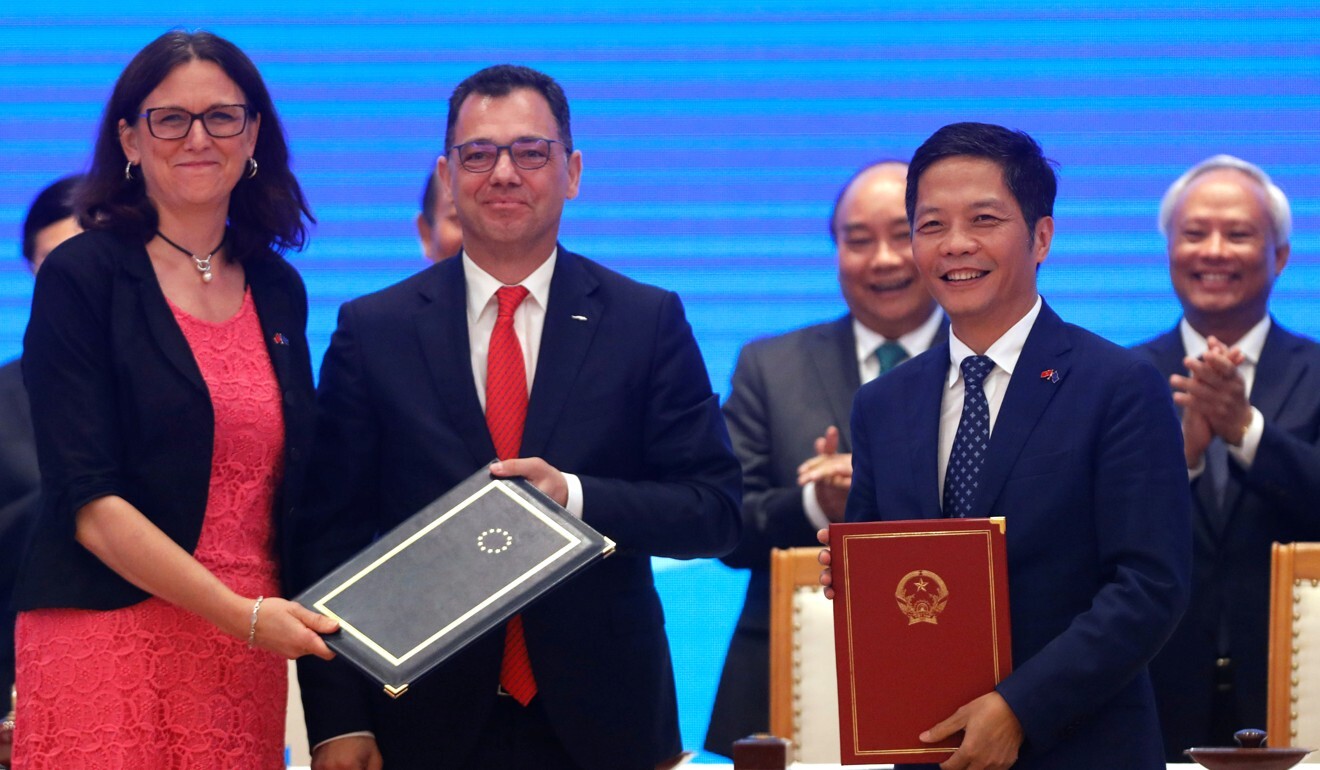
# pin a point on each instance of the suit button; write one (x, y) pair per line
(290, 398)
(295, 454)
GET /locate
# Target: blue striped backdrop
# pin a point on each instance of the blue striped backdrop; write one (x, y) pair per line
(715, 135)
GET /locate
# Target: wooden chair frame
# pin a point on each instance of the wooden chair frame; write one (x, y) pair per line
(1292, 564)
(789, 570)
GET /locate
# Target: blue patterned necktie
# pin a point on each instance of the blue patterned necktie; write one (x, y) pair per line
(970, 442)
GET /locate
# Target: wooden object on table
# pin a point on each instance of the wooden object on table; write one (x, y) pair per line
(1251, 754)
(760, 752)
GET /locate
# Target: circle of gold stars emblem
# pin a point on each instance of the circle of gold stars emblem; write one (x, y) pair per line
(485, 544)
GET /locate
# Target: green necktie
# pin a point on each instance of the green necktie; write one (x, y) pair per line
(889, 355)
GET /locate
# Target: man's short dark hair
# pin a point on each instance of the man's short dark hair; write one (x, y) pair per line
(838, 199)
(1028, 174)
(503, 79)
(50, 206)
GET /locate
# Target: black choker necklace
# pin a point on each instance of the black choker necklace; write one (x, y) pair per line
(203, 263)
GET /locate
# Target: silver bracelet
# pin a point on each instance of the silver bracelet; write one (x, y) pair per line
(252, 626)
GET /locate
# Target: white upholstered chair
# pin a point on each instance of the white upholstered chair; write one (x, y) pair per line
(295, 729)
(1294, 678)
(804, 698)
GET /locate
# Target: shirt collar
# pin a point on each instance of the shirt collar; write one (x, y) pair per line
(1251, 344)
(1005, 351)
(481, 286)
(914, 342)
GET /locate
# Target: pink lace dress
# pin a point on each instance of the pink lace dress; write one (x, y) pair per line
(151, 685)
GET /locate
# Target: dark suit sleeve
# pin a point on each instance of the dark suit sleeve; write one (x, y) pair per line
(772, 513)
(1286, 473)
(1141, 516)
(337, 521)
(686, 503)
(16, 519)
(72, 388)
(861, 495)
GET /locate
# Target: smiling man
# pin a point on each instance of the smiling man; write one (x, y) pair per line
(1072, 439)
(794, 390)
(588, 384)
(1250, 396)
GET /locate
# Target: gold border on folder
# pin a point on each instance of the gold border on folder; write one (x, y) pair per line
(572, 540)
(994, 620)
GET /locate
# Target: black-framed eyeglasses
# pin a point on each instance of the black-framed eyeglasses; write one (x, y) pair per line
(527, 154)
(221, 121)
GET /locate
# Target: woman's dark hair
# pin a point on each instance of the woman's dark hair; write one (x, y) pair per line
(265, 212)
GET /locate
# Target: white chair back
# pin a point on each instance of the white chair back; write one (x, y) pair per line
(1294, 678)
(804, 697)
(295, 728)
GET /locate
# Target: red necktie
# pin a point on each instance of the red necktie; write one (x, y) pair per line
(506, 411)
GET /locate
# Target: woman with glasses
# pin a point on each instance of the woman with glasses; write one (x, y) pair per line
(172, 400)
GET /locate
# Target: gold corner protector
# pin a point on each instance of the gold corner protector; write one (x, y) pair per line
(610, 547)
(395, 692)
(1001, 522)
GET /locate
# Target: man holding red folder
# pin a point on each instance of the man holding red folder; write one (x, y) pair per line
(1072, 439)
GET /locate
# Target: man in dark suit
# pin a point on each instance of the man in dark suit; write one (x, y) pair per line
(621, 427)
(1250, 396)
(49, 223)
(789, 406)
(1072, 439)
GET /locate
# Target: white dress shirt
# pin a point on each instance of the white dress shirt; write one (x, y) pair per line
(1005, 352)
(915, 342)
(528, 324)
(1251, 345)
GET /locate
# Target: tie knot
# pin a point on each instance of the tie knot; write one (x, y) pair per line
(975, 368)
(890, 354)
(510, 297)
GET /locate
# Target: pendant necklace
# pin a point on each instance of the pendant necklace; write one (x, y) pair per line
(203, 263)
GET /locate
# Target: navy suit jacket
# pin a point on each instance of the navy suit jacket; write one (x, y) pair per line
(1089, 473)
(1274, 500)
(787, 390)
(622, 399)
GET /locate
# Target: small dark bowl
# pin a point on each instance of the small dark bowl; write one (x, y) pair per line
(1257, 759)
(1253, 754)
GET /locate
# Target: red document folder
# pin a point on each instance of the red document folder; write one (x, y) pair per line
(921, 627)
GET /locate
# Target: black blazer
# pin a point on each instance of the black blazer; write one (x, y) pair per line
(120, 408)
(622, 399)
(1273, 500)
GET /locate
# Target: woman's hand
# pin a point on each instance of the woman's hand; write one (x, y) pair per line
(289, 629)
